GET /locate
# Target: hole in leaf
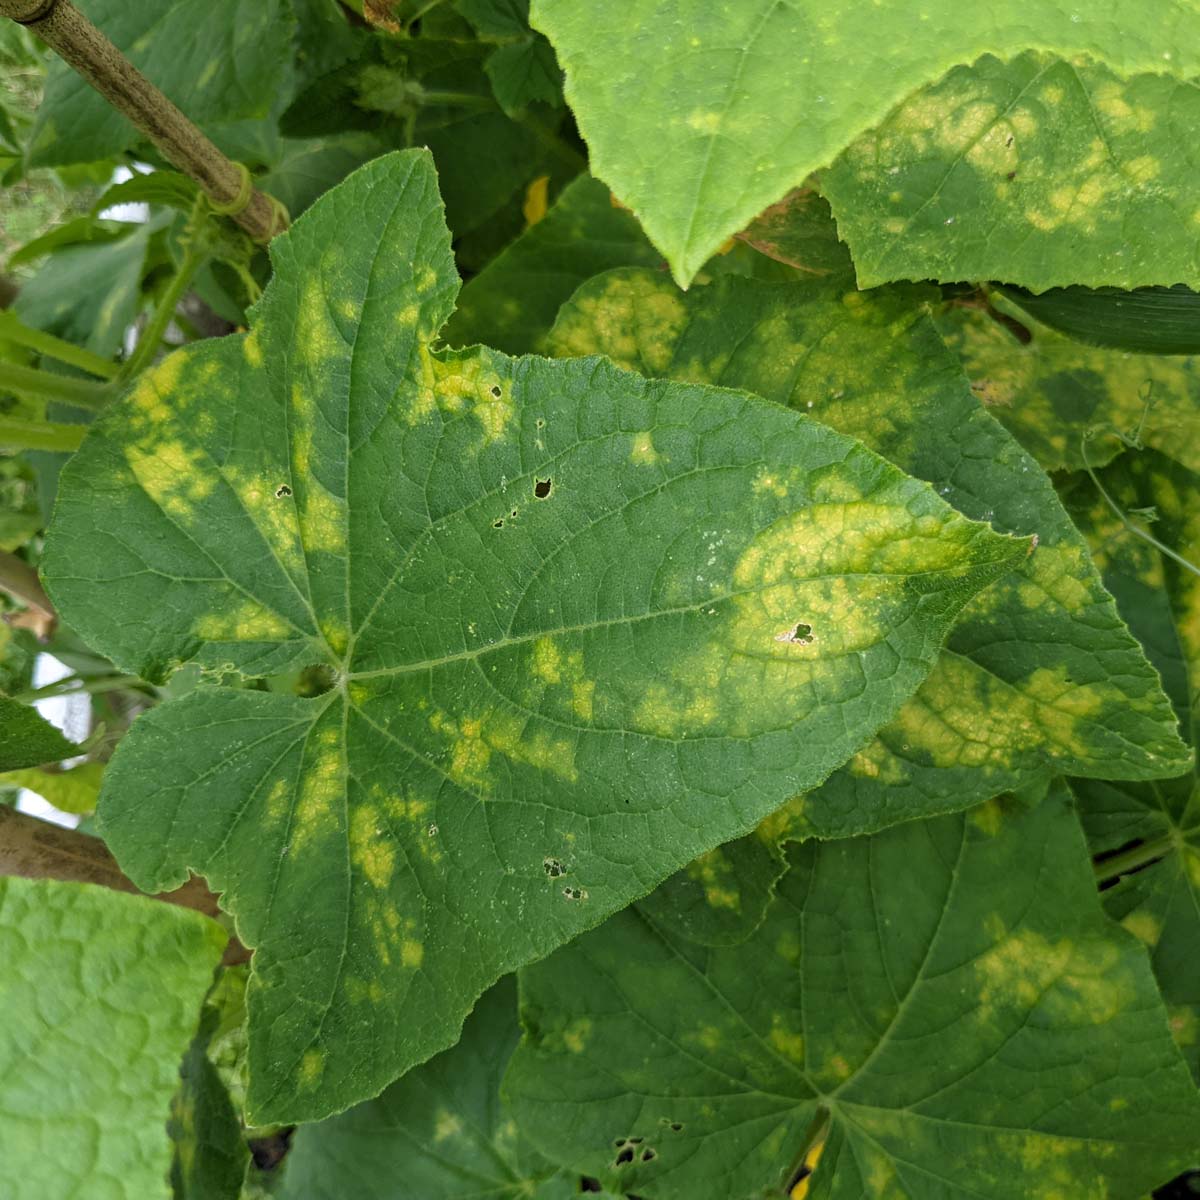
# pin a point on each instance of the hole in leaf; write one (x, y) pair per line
(316, 680)
(677, 1126)
(282, 491)
(587, 1184)
(649, 1154)
(541, 488)
(574, 893)
(498, 523)
(496, 392)
(626, 1156)
(513, 513)
(619, 1143)
(801, 635)
(553, 867)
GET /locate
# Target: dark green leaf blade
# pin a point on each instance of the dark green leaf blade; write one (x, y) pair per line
(27, 739)
(948, 990)
(1028, 685)
(100, 993)
(1154, 826)
(440, 1133)
(558, 604)
(219, 60)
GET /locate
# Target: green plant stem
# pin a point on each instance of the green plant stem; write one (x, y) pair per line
(16, 434)
(77, 685)
(49, 346)
(1134, 857)
(154, 332)
(28, 381)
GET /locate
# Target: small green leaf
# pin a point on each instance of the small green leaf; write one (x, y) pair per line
(219, 60)
(555, 603)
(73, 791)
(513, 301)
(1050, 390)
(27, 739)
(948, 991)
(681, 103)
(1037, 172)
(1028, 685)
(100, 993)
(1160, 902)
(522, 68)
(440, 1133)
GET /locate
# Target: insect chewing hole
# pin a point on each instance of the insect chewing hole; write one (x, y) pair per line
(553, 867)
(574, 893)
(496, 392)
(541, 488)
(649, 1154)
(498, 523)
(282, 491)
(626, 1156)
(800, 635)
(676, 1126)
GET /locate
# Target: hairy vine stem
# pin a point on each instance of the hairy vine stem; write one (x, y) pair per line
(226, 183)
(35, 849)
(49, 346)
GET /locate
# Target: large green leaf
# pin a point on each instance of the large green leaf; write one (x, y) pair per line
(219, 60)
(511, 304)
(1155, 827)
(948, 991)
(700, 115)
(1051, 390)
(559, 606)
(1040, 676)
(440, 1133)
(27, 739)
(1037, 171)
(100, 993)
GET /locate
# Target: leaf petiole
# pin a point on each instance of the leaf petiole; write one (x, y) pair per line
(29, 381)
(49, 346)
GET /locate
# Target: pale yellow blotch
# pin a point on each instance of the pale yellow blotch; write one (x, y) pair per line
(318, 341)
(312, 1067)
(446, 1125)
(177, 477)
(372, 850)
(412, 953)
(709, 1037)
(321, 788)
(547, 661)
(252, 349)
(642, 451)
(704, 121)
(536, 202)
(716, 875)
(576, 1035)
(988, 817)
(245, 621)
(787, 1042)
(1144, 926)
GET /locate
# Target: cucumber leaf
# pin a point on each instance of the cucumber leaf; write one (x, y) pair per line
(440, 1133)
(682, 106)
(1029, 684)
(101, 993)
(1052, 391)
(1147, 836)
(1037, 172)
(948, 992)
(27, 739)
(559, 612)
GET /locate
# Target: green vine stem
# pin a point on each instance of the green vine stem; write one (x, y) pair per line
(152, 335)
(1133, 858)
(67, 31)
(29, 381)
(12, 330)
(17, 434)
